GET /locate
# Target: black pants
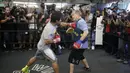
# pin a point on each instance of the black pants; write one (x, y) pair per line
(75, 56)
(111, 45)
(124, 50)
(7, 38)
(129, 46)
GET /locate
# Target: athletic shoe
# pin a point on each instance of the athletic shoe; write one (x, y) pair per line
(125, 62)
(30, 49)
(119, 60)
(25, 69)
(93, 47)
(87, 69)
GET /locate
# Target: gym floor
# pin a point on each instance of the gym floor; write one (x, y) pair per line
(99, 61)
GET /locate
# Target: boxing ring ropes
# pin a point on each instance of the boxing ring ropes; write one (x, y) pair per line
(115, 38)
(104, 41)
(36, 36)
(36, 32)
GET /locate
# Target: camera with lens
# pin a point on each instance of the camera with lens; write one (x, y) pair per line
(18, 12)
(51, 8)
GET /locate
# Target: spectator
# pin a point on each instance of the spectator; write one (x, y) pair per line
(88, 18)
(7, 37)
(42, 16)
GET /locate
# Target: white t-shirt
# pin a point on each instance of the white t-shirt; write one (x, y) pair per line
(48, 33)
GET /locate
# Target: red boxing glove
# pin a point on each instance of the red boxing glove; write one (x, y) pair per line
(57, 39)
(78, 44)
(73, 25)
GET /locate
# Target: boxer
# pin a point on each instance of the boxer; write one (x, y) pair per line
(48, 36)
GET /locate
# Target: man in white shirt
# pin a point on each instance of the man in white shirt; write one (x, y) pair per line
(48, 36)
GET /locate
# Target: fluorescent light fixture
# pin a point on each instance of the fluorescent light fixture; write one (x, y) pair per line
(29, 4)
(32, 6)
(32, 3)
(58, 5)
(49, 3)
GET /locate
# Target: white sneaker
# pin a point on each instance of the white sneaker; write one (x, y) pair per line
(93, 47)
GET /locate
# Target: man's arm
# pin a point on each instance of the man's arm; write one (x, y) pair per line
(48, 38)
(63, 24)
(83, 26)
(4, 20)
(48, 41)
(73, 24)
(85, 33)
(55, 40)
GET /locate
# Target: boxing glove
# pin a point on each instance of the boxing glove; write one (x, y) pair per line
(73, 25)
(70, 30)
(57, 39)
(78, 44)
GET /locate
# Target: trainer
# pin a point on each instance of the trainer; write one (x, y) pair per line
(80, 40)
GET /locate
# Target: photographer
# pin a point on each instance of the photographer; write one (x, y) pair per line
(22, 26)
(42, 16)
(7, 24)
(128, 36)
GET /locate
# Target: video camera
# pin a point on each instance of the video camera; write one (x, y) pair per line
(18, 11)
(51, 8)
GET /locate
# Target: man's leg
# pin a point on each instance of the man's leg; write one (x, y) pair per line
(71, 68)
(55, 67)
(49, 54)
(31, 61)
(84, 61)
(72, 60)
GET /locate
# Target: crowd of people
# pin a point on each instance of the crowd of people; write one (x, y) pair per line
(117, 33)
(21, 29)
(16, 30)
